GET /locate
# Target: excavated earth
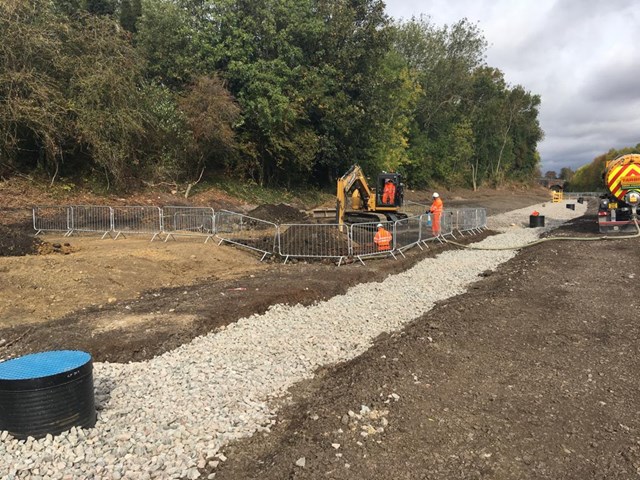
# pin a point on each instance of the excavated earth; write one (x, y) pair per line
(530, 374)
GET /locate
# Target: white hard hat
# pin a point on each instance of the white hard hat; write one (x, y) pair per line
(436, 194)
(379, 225)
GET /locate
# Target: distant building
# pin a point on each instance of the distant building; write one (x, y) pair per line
(555, 184)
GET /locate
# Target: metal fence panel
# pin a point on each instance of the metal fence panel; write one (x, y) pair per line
(244, 231)
(92, 218)
(362, 240)
(426, 228)
(446, 223)
(53, 219)
(482, 218)
(407, 233)
(467, 220)
(313, 241)
(447, 220)
(188, 221)
(137, 220)
(455, 218)
(575, 195)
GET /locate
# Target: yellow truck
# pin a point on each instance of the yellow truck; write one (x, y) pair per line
(621, 204)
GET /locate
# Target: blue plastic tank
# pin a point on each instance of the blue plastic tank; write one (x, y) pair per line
(47, 392)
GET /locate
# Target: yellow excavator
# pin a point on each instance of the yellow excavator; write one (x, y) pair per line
(366, 204)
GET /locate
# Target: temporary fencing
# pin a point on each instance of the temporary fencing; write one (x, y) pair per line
(576, 195)
(481, 219)
(248, 232)
(468, 220)
(407, 233)
(447, 223)
(188, 221)
(92, 219)
(53, 219)
(137, 221)
(429, 233)
(305, 240)
(330, 241)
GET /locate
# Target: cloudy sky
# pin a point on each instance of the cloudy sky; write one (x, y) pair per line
(581, 56)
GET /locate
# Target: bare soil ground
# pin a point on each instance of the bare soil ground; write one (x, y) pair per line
(530, 374)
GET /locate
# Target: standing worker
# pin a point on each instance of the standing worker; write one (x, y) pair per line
(382, 239)
(436, 211)
(389, 192)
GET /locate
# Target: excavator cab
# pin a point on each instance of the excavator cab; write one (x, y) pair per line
(387, 197)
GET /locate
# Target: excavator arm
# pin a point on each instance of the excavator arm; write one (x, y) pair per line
(352, 181)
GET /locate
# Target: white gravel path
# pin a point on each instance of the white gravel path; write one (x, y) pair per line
(169, 416)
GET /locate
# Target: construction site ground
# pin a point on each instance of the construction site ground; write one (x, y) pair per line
(530, 374)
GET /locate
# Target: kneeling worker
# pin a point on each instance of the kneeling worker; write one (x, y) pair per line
(382, 239)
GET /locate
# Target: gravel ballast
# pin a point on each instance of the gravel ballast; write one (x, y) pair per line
(171, 416)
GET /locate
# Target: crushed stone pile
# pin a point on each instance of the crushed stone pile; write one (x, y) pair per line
(170, 417)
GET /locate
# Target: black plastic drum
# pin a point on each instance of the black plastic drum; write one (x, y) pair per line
(47, 392)
(536, 221)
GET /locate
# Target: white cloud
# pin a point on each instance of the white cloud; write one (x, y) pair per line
(581, 56)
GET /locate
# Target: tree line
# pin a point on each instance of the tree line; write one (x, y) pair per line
(282, 92)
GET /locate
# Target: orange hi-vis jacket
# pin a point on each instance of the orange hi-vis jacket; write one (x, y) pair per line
(389, 193)
(383, 240)
(437, 206)
(436, 210)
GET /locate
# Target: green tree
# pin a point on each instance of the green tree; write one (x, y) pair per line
(164, 39)
(210, 112)
(566, 174)
(130, 11)
(443, 59)
(68, 7)
(72, 93)
(34, 120)
(101, 7)
(356, 82)
(104, 74)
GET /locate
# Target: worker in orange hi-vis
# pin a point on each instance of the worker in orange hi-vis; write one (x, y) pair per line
(389, 192)
(382, 239)
(436, 211)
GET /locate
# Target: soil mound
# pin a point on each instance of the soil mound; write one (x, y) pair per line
(46, 248)
(17, 241)
(281, 213)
